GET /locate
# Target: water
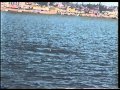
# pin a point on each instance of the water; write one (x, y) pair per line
(53, 51)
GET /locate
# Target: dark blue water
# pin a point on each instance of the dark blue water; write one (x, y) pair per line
(53, 51)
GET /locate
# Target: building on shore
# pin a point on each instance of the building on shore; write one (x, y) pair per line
(112, 12)
(59, 8)
(5, 4)
(21, 5)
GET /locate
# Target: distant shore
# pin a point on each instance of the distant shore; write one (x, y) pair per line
(51, 12)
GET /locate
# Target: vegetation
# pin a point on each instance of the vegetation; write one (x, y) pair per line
(45, 3)
(99, 6)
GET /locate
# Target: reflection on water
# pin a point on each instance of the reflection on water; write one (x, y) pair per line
(52, 51)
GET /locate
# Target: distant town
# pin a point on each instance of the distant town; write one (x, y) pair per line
(62, 8)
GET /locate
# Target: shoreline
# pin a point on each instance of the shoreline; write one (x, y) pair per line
(53, 13)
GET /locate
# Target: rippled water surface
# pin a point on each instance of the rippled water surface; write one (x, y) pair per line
(53, 51)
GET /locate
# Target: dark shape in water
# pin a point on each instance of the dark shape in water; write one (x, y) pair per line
(40, 48)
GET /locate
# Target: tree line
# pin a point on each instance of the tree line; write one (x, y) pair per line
(79, 6)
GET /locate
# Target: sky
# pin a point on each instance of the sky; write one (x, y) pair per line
(103, 3)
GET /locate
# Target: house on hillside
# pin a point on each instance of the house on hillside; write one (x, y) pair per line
(59, 5)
